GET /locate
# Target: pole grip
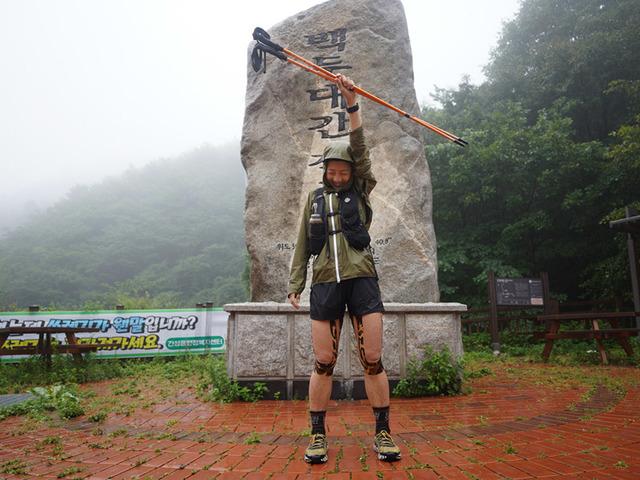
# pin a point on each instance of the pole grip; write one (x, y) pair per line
(261, 36)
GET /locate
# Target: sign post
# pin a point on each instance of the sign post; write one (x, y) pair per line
(514, 293)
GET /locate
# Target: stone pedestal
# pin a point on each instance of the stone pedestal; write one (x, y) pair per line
(271, 342)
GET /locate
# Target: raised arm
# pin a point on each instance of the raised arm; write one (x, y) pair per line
(362, 168)
(345, 84)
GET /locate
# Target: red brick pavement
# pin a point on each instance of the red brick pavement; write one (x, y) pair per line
(504, 431)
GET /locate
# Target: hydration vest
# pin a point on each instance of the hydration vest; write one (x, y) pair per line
(351, 224)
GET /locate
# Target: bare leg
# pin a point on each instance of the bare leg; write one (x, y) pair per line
(370, 344)
(325, 336)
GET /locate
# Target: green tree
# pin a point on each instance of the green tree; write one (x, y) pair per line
(553, 153)
(517, 201)
(570, 49)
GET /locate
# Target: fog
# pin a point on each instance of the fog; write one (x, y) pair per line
(91, 88)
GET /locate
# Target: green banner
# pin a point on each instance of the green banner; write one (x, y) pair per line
(191, 343)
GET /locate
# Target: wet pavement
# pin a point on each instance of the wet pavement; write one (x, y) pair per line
(502, 430)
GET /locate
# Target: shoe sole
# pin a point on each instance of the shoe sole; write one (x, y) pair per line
(387, 457)
(317, 459)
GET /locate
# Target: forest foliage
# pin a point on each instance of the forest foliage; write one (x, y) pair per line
(166, 235)
(554, 155)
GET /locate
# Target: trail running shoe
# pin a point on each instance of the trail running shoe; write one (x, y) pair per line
(316, 452)
(385, 447)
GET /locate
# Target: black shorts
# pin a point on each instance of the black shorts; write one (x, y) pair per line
(360, 295)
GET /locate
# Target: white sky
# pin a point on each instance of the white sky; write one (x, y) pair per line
(91, 87)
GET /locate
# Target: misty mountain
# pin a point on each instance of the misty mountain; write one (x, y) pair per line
(169, 234)
(16, 212)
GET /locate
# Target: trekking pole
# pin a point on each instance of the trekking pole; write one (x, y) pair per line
(264, 45)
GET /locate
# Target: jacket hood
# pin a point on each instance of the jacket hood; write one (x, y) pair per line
(337, 151)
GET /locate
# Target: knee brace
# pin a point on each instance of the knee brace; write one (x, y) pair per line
(370, 368)
(327, 368)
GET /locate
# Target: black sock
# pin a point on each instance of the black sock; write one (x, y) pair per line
(317, 422)
(382, 419)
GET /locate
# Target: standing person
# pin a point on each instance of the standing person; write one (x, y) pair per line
(334, 230)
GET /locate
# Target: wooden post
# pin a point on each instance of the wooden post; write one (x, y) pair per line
(633, 268)
(546, 297)
(493, 316)
(551, 306)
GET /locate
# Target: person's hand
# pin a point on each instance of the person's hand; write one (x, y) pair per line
(345, 84)
(294, 299)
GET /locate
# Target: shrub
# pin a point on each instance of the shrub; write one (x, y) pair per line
(60, 398)
(438, 373)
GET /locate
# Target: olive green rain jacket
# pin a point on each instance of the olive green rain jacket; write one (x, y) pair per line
(342, 261)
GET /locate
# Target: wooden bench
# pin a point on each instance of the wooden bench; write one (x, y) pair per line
(621, 335)
(45, 347)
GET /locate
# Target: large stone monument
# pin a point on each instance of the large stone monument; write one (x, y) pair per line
(291, 115)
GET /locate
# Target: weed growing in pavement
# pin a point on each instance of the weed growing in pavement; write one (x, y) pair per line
(363, 462)
(482, 372)
(14, 467)
(97, 445)
(56, 441)
(127, 388)
(510, 449)
(438, 373)
(119, 432)
(252, 439)
(621, 464)
(419, 466)
(69, 471)
(98, 417)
